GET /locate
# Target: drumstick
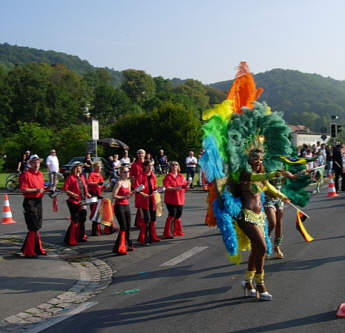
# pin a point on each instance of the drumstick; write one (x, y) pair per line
(291, 204)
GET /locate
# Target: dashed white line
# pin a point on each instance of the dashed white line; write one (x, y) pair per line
(184, 256)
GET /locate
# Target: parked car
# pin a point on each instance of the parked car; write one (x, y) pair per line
(66, 168)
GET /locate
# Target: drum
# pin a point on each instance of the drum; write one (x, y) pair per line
(106, 215)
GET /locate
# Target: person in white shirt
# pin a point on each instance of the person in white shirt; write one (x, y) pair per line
(125, 160)
(52, 163)
(191, 162)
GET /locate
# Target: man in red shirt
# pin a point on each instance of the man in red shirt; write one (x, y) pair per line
(31, 183)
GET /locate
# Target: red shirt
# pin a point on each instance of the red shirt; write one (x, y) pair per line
(175, 197)
(136, 169)
(140, 200)
(95, 177)
(71, 184)
(122, 192)
(31, 179)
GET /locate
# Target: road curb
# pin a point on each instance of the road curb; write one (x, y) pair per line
(94, 276)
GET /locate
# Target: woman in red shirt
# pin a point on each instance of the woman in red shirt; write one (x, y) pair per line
(95, 187)
(135, 171)
(76, 189)
(121, 193)
(175, 185)
(146, 202)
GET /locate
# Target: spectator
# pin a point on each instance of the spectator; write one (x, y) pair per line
(149, 157)
(87, 168)
(309, 155)
(52, 163)
(329, 159)
(23, 164)
(125, 160)
(200, 173)
(339, 166)
(116, 165)
(31, 184)
(191, 163)
(163, 162)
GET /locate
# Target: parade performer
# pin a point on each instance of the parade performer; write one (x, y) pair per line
(175, 185)
(135, 171)
(76, 189)
(95, 183)
(274, 210)
(121, 193)
(146, 202)
(31, 183)
(244, 142)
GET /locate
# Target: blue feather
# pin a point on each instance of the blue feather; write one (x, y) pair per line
(211, 162)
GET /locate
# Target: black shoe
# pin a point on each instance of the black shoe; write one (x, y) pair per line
(31, 257)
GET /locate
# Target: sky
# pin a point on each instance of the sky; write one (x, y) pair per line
(204, 40)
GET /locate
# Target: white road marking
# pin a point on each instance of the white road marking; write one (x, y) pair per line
(51, 322)
(184, 256)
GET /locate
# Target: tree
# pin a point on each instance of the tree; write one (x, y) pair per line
(196, 91)
(172, 127)
(30, 136)
(138, 86)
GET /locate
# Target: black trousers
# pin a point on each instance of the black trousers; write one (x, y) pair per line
(123, 215)
(175, 211)
(33, 213)
(149, 214)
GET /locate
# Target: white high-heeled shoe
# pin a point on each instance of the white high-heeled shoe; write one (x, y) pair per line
(248, 292)
(266, 296)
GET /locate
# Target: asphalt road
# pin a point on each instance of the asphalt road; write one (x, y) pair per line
(188, 284)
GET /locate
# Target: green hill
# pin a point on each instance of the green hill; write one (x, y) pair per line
(12, 55)
(309, 99)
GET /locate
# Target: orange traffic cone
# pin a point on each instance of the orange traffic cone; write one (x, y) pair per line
(341, 310)
(331, 188)
(6, 212)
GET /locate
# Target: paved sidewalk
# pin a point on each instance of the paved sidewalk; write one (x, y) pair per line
(36, 290)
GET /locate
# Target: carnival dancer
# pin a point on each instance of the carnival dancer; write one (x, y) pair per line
(175, 186)
(95, 187)
(121, 193)
(31, 183)
(274, 210)
(146, 202)
(251, 220)
(76, 189)
(239, 133)
(135, 171)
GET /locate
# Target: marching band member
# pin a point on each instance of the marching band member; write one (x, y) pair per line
(145, 200)
(76, 189)
(31, 183)
(175, 185)
(121, 194)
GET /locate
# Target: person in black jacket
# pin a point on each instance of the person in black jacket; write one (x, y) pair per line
(339, 166)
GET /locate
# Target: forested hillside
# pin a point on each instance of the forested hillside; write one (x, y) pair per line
(307, 99)
(12, 55)
(47, 99)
